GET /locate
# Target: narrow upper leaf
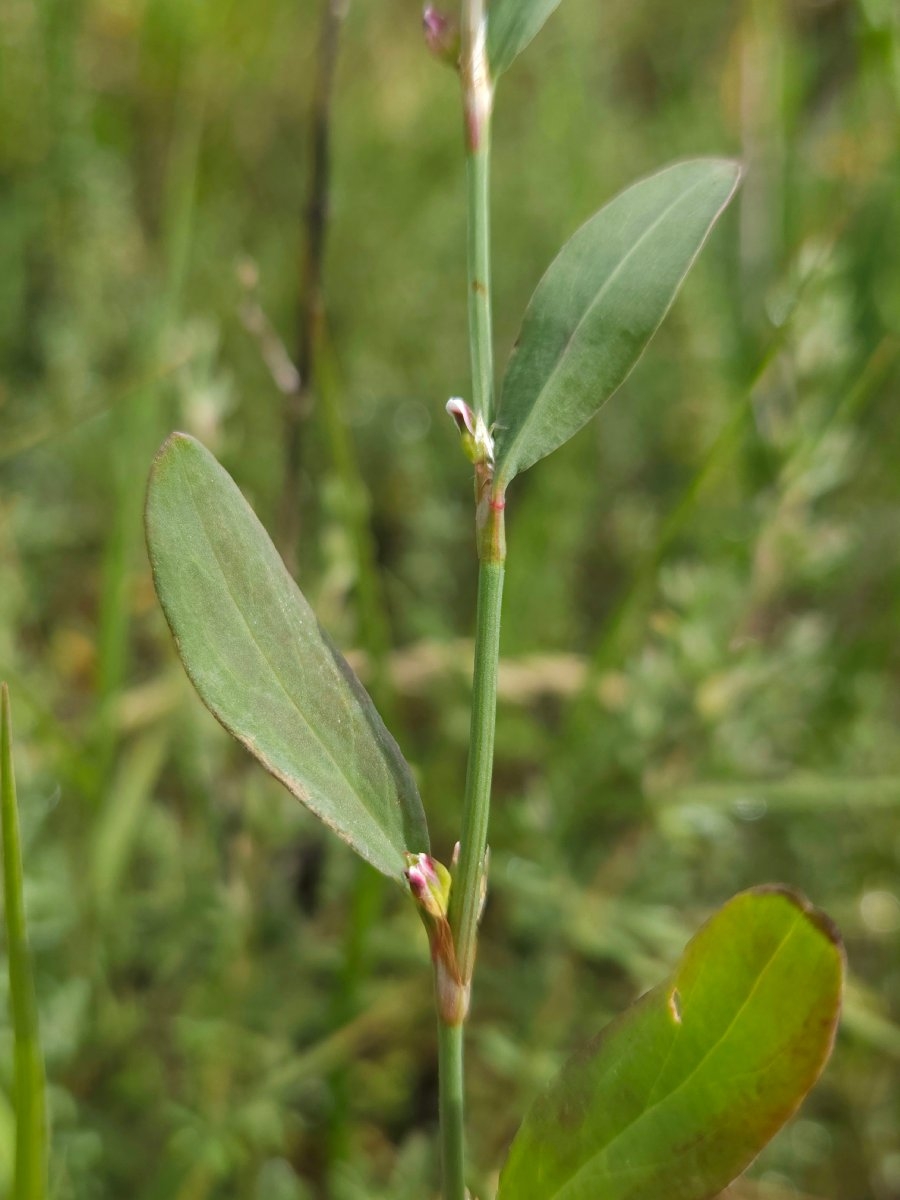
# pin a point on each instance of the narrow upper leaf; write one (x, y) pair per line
(29, 1089)
(677, 1096)
(512, 24)
(263, 665)
(598, 305)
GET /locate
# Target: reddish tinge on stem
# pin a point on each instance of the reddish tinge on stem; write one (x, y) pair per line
(478, 93)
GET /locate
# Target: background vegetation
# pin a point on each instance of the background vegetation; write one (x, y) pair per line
(701, 679)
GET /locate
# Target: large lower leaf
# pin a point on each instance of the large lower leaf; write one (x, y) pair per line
(263, 665)
(512, 24)
(598, 305)
(679, 1094)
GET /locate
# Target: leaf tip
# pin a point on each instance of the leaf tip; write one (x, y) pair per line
(163, 457)
(738, 170)
(816, 917)
(730, 170)
(161, 461)
(174, 442)
(5, 740)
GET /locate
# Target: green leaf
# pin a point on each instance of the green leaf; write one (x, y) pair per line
(30, 1178)
(512, 24)
(677, 1096)
(598, 305)
(263, 665)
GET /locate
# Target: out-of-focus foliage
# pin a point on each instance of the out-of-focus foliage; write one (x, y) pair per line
(700, 684)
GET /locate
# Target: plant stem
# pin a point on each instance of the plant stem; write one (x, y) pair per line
(30, 1178)
(300, 399)
(477, 108)
(468, 883)
(478, 179)
(465, 897)
(450, 1066)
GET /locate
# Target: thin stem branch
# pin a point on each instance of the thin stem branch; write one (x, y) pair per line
(450, 1066)
(299, 401)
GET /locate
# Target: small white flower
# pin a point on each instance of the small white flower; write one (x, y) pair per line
(477, 440)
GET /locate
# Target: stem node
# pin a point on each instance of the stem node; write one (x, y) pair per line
(490, 523)
(452, 994)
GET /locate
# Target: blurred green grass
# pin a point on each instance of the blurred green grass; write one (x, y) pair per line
(701, 673)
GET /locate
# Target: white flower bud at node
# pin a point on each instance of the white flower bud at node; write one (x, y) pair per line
(476, 438)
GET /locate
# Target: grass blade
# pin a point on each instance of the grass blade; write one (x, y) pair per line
(30, 1179)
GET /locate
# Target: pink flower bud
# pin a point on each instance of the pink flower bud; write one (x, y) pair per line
(421, 875)
(429, 882)
(441, 35)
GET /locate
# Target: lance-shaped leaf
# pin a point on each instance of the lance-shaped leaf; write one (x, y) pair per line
(679, 1094)
(263, 665)
(512, 24)
(598, 305)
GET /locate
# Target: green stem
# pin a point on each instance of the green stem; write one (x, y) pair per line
(450, 1065)
(477, 108)
(478, 170)
(30, 1179)
(465, 897)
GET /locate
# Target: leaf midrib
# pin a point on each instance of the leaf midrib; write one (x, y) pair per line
(536, 403)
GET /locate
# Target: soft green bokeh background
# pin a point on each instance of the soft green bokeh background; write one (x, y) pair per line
(701, 684)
